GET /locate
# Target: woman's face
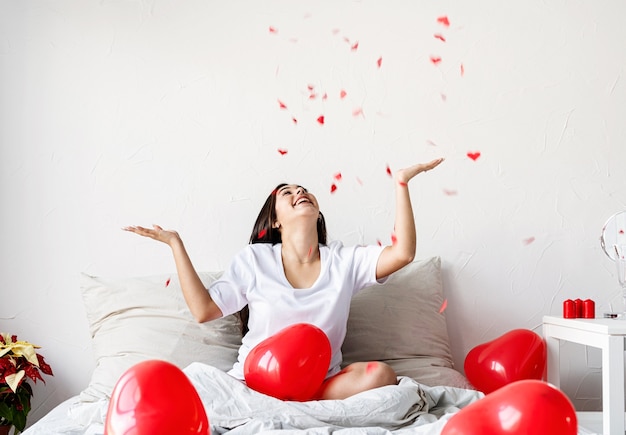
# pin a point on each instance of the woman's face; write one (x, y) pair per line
(294, 203)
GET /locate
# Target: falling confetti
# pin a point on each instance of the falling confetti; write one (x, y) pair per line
(388, 169)
(444, 305)
(394, 239)
(282, 105)
(342, 94)
(273, 30)
(378, 242)
(402, 183)
(358, 180)
(333, 188)
(440, 37)
(358, 111)
(312, 96)
(528, 240)
(282, 151)
(310, 251)
(320, 119)
(444, 21)
(379, 62)
(435, 60)
(167, 283)
(338, 176)
(325, 96)
(450, 192)
(294, 120)
(462, 70)
(474, 156)
(354, 46)
(262, 233)
(621, 231)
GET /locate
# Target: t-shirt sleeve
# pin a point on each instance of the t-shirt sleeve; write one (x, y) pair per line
(230, 291)
(365, 261)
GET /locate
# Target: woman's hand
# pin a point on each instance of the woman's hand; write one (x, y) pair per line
(403, 176)
(156, 233)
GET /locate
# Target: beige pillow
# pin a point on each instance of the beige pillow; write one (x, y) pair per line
(134, 319)
(400, 323)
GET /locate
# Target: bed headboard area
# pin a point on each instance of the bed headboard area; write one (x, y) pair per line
(134, 319)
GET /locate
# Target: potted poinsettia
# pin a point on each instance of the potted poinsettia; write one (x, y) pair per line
(19, 362)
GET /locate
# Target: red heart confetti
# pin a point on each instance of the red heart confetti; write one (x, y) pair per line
(444, 21)
(462, 70)
(282, 105)
(358, 111)
(440, 37)
(273, 30)
(435, 59)
(528, 240)
(333, 188)
(355, 46)
(338, 176)
(294, 120)
(388, 169)
(282, 152)
(394, 239)
(320, 119)
(402, 183)
(310, 87)
(473, 156)
(262, 233)
(379, 62)
(378, 242)
(167, 282)
(450, 192)
(325, 96)
(444, 305)
(621, 231)
(342, 94)
(358, 180)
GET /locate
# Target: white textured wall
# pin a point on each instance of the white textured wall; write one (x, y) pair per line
(138, 112)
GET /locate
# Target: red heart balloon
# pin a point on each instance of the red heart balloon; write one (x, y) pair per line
(155, 397)
(518, 354)
(522, 407)
(291, 364)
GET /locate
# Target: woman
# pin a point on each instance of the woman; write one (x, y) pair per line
(288, 274)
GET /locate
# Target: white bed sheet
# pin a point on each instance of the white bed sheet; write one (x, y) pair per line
(234, 409)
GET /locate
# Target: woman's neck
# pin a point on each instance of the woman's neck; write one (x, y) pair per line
(301, 251)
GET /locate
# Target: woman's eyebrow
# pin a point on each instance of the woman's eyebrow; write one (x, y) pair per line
(291, 186)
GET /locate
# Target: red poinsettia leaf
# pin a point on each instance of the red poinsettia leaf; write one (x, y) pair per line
(33, 373)
(43, 365)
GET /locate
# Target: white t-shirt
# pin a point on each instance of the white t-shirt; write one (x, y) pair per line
(256, 277)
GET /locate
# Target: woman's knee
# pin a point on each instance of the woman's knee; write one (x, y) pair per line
(379, 374)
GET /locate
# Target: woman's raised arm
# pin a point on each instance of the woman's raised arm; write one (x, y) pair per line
(198, 299)
(402, 250)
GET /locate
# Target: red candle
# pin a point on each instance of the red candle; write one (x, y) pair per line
(589, 309)
(569, 309)
(579, 307)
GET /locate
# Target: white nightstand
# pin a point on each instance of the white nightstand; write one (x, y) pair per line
(606, 334)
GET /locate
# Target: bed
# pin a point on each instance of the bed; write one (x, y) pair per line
(400, 322)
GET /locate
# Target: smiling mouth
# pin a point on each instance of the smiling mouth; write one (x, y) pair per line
(302, 201)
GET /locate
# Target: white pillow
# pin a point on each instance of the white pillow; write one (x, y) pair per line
(400, 323)
(135, 319)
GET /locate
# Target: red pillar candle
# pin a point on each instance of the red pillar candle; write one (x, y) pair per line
(589, 309)
(569, 309)
(579, 307)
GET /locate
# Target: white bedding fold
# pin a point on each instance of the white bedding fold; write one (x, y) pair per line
(233, 408)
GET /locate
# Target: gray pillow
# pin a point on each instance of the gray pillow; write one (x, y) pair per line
(400, 322)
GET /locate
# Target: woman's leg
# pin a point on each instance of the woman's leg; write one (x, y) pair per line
(355, 378)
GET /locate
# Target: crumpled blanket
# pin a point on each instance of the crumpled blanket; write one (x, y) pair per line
(235, 409)
(405, 408)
